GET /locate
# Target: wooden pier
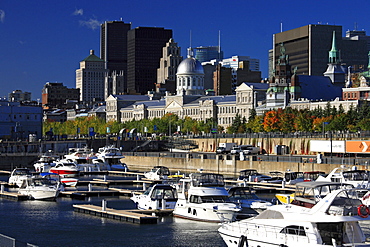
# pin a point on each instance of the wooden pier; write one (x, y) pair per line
(134, 216)
(13, 196)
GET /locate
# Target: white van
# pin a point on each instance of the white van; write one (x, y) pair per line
(246, 149)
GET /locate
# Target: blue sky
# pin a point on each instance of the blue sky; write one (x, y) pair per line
(44, 41)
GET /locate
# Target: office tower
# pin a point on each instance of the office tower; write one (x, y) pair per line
(307, 48)
(56, 95)
(113, 48)
(166, 73)
(207, 53)
(144, 51)
(90, 78)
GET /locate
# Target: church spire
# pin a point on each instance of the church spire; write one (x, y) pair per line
(333, 53)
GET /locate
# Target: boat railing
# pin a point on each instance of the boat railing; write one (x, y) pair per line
(291, 233)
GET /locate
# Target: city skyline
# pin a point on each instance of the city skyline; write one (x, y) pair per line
(44, 41)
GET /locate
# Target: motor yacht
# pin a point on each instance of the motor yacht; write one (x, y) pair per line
(45, 162)
(157, 173)
(39, 188)
(246, 197)
(203, 197)
(158, 196)
(83, 157)
(65, 168)
(109, 158)
(332, 221)
(18, 175)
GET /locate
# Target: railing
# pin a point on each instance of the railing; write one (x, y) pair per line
(348, 161)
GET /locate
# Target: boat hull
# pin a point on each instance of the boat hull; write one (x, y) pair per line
(40, 194)
(203, 212)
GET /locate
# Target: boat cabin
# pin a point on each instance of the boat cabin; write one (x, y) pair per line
(207, 180)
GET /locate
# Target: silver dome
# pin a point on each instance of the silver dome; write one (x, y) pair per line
(190, 66)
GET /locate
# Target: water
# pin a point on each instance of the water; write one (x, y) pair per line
(48, 223)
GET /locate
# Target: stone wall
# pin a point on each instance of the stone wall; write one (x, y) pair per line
(299, 146)
(230, 167)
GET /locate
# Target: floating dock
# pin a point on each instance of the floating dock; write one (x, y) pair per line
(134, 216)
(13, 196)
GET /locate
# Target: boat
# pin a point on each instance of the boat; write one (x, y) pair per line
(157, 196)
(39, 188)
(309, 193)
(251, 175)
(64, 181)
(45, 162)
(246, 197)
(65, 168)
(289, 177)
(312, 176)
(332, 221)
(203, 197)
(157, 173)
(358, 178)
(83, 157)
(109, 158)
(18, 175)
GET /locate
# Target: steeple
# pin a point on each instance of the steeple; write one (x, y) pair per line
(333, 53)
(368, 65)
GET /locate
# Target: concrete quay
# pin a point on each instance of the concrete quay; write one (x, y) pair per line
(229, 165)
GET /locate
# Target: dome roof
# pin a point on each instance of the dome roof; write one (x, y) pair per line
(190, 66)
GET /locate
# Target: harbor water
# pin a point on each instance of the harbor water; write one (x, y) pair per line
(54, 223)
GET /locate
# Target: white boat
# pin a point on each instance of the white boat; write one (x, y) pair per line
(65, 168)
(309, 193)
(39, 188)
(203, 197)
(109, 158)
(18, 175)
(45, 162)
(245, 196)
(83, 157)
(332, 221)
(360, 179)
(157, 173)
(64, 181)
(158, 196)
(251, 175)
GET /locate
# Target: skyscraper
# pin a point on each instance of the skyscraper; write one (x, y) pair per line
(207, 53)
(144, 53)
(113, 47)
(90, 78)
(166, 73)
(307, 48)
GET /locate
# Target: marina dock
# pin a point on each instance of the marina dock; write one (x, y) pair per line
(13, 196)
(134, 216)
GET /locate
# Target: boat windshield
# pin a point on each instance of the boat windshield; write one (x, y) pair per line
(209, 199)
(22, 172)
(164, 193)
(207, 180)
(243, 194)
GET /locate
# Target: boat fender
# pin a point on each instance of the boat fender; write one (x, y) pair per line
(363, 211)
